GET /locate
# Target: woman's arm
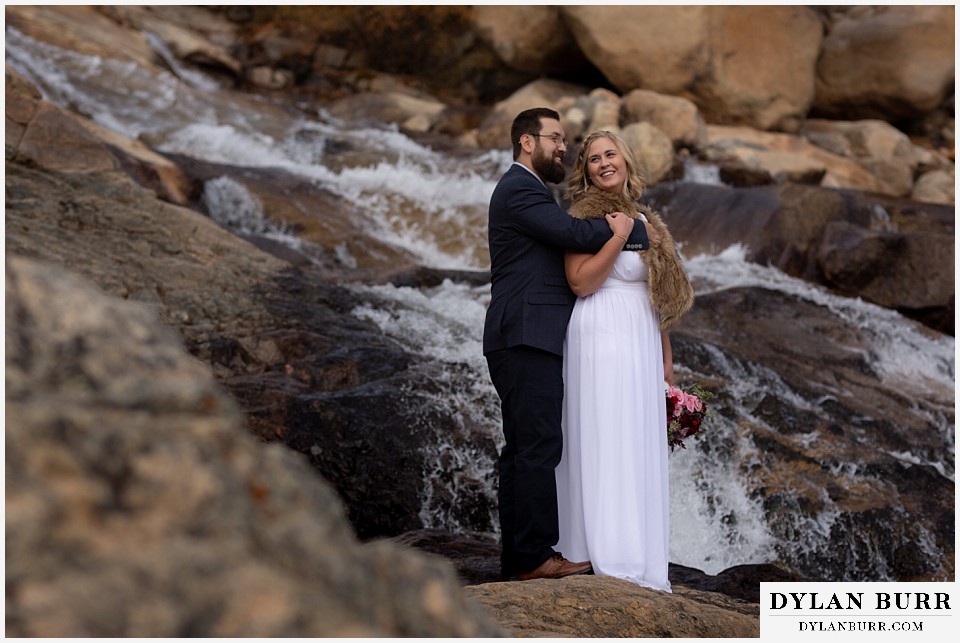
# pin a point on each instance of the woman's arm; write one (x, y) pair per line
(667, 357)
(586, 272)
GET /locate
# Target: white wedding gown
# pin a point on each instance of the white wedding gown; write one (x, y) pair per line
(612, 478)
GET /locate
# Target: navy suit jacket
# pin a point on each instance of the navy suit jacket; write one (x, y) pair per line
(528, 232)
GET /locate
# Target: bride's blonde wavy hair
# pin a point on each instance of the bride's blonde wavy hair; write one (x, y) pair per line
(580, 181)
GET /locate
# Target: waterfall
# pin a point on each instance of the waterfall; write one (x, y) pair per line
(181, 71)
(434, 206)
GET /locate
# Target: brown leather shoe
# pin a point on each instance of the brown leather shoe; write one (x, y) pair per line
(556, 567)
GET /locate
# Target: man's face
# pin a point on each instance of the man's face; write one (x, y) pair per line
(547, 158)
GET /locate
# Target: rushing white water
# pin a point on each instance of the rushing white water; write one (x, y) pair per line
(193, 78)
(905, 355)
(697, 172)
(714, 522)
(435, 206)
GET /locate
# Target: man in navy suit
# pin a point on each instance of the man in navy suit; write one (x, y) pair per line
(523, 337)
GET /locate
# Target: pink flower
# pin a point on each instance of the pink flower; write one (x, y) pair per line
(686, 409)
(692, 403)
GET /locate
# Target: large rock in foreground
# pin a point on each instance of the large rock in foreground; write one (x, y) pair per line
(593, 606)
(137, 504)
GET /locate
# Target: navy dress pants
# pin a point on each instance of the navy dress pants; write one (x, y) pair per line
(529, 382)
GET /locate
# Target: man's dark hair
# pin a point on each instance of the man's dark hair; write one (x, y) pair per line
(528, 122)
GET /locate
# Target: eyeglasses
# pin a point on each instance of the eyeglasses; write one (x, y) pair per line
(553, 137)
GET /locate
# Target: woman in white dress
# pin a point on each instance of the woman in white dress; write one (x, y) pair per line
(612, 479)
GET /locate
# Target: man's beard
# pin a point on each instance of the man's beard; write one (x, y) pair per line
(547, 167)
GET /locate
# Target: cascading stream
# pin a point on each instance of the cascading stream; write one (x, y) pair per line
(435, 207)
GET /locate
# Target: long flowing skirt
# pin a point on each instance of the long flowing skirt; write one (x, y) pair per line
(612, 479)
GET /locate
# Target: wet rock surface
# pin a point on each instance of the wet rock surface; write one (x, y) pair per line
(892, 252)
(138, 504)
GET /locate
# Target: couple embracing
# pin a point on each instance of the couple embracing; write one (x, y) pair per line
(577, 346)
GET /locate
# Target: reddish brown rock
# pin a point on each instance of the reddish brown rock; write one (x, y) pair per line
(603, 607)
(740, 65)
(891, 62)
(529, 38)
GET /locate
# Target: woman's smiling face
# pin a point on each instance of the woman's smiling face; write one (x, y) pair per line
(606, 167)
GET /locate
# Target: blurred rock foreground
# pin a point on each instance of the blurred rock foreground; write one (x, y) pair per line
(137, 501)
(136, 504)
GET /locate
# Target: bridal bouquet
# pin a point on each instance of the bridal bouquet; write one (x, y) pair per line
(686, 410)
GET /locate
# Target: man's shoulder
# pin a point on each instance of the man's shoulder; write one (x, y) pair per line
(518, 179)
(519, 174)
(512, 181)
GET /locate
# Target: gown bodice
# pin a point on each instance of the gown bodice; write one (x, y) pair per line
(629, 266)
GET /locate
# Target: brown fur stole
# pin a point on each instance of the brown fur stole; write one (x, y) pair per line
(670, 289)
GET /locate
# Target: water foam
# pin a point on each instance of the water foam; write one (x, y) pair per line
(904, 351)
